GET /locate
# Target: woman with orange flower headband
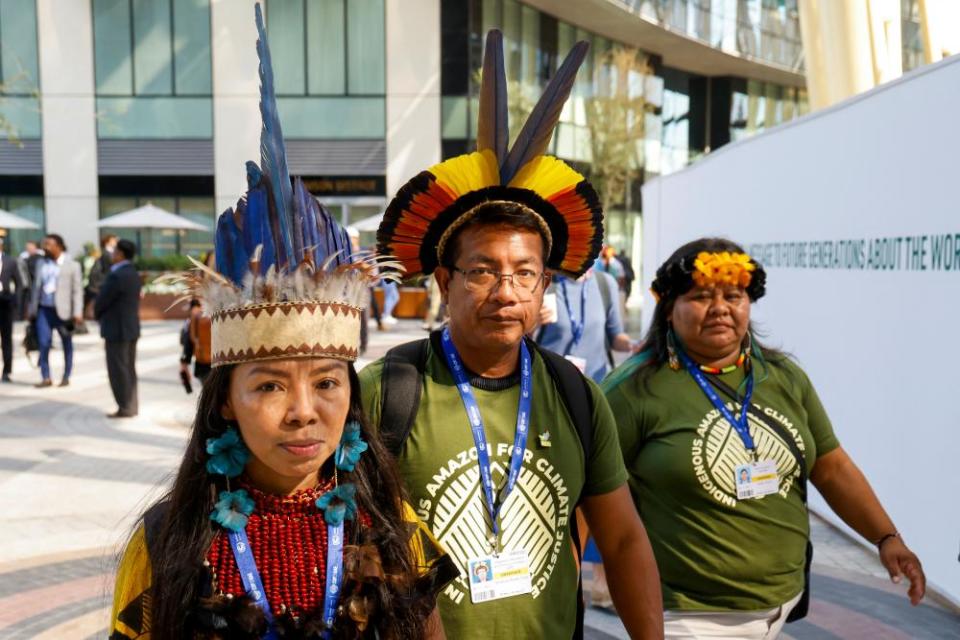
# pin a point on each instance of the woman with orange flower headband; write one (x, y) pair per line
(720, 435)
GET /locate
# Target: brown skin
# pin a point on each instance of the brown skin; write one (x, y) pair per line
(631, 569)
(487, 329)
(712, 322)
(291, 415)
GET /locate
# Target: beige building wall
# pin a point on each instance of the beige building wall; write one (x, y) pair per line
(413, 89)
(940, 26)
(850, 46)
(236, 98)
(69, 129)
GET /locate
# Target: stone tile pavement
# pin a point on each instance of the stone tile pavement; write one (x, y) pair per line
(72, 483)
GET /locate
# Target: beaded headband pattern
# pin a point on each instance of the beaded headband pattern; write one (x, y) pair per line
(422, 217)
(286, 283)
(705, 269)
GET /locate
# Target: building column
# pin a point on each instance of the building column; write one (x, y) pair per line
(236, 98)
(69, 132)
(413, 89)
(849, 47)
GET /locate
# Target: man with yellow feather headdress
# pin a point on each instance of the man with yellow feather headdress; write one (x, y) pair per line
(500, 442)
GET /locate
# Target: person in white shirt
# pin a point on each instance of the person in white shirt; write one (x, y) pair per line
(56, 304)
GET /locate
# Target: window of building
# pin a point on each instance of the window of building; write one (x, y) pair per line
(29, 207)
(19, 70)
(152, 65)
(329, 57)
(911, 34)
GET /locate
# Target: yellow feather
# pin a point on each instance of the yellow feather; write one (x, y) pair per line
(546, 175)
(469, 172)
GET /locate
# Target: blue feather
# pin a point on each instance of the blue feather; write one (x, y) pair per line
(273, 158)
(256, 228)
(301, 201)
(230, 255)
(334, 239)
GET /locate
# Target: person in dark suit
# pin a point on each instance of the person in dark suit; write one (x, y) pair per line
(117, 309)
(11, 294)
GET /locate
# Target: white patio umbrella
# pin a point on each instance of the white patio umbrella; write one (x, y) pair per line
(150, 216)
(10, 221)
(368, 224)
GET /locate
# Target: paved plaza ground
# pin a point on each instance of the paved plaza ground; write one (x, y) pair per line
(72, 483)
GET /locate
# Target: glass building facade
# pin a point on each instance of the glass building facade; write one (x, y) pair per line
(764, 30)
(153, 69)
(629, 117)
(154, 82)
(329, 58)
(20, 118)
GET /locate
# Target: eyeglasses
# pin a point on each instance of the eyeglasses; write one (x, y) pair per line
(524, 281)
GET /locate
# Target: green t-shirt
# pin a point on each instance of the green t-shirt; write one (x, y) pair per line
(439, 466)
(715, 552)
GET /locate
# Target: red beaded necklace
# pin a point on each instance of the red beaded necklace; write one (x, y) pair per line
(288, 537)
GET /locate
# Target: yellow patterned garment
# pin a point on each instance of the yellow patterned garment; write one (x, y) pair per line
(131, 598)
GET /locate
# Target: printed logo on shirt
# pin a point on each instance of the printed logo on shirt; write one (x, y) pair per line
(535, 517)
(717, 451)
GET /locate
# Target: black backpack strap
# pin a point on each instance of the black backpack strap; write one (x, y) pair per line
(400, 389)
(575, 392)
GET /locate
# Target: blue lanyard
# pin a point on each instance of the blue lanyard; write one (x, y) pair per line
(575, 327)
(254, 586)
(476, 426)
(742, 426)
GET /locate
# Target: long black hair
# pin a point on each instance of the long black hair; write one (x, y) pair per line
(654, 351)
(399, 609)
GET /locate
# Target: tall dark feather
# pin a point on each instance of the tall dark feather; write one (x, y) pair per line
(256, 228)
(307, 206)
(273, 157)
(538, 129)
(492, 128)
(231, 259)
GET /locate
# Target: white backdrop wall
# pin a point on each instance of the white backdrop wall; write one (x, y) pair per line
(855, 213)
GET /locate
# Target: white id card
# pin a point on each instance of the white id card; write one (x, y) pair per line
(495, 577)
(756, 479)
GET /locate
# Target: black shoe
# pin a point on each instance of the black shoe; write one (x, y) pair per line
(121, 414)
(6, 378)
(46, 383)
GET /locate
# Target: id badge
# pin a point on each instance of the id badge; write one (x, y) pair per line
(756, 479)
(494, 577)
(579, 363)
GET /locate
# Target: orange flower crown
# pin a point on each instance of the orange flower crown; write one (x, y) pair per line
(710, 269)
(722, 268)
(428, 210)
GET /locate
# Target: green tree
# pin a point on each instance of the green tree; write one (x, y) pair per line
(616, 117)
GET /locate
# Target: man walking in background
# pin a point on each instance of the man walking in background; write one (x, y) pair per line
(117, 309)
(11, 293)
(56, 303)
(27, 261)
(101, 267)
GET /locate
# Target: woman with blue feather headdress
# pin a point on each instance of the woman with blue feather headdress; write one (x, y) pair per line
(287, 517)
